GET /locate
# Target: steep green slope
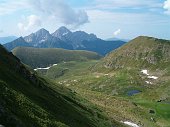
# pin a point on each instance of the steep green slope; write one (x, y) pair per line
(35, 57)
(28, 100)
(118, 86)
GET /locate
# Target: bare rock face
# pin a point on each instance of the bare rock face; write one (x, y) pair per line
(61, 33)
(40, 35)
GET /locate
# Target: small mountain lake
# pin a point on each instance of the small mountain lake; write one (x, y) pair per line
(133, 92)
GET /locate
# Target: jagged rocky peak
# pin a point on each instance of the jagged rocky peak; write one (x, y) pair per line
(62, 31)
(39, 36)
(42, 32)
(85, 36)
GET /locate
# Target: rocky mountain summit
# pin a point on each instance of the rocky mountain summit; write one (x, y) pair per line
(66, 39)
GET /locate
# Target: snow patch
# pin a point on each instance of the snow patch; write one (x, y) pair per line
(149, 76)
(65, 33)
(148, 82)
(130, 124)
(145, 72)
(152, 77)
(46, 68)
(42, 40)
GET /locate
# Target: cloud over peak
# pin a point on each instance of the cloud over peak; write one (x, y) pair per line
(59, 10)
(31, 22)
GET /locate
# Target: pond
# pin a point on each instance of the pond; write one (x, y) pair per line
(133, 92)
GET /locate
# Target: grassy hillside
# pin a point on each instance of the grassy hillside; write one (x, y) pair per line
(35, 57)
(141, 52)
(29, 100)
(117, 85)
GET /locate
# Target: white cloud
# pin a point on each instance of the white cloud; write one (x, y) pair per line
(59, 10)
(167, 6)
(32, 21)
(10, 6)
(117, 32)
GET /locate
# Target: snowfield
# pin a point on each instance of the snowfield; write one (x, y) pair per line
(46, 68)
(148, 82)
(145, 72)
(152, 77)
(130, 124)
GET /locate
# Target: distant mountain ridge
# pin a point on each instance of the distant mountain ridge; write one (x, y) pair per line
(66, 39)
(18, 42)
(118, 39)
(7, 39)
(75, 38)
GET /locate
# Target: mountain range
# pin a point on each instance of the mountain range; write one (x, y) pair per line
(4, 40)
(117, 39)
(64, 38)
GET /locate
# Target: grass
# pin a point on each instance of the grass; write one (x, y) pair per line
(29, 100)
(108, 90)
(141, 52)
(106, 83)
(36, 57)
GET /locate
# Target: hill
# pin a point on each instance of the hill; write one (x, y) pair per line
(141, 52)
(66, 39)
(131, 83)
(45, 57)
(29, 100)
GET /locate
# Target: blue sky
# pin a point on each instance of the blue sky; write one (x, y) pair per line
(106, 18)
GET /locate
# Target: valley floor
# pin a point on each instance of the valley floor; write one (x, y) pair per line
(124, 95)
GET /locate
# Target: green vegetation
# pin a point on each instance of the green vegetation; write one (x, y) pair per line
(106, 83)
(141, 52)
(35, 57)
(29, 100)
